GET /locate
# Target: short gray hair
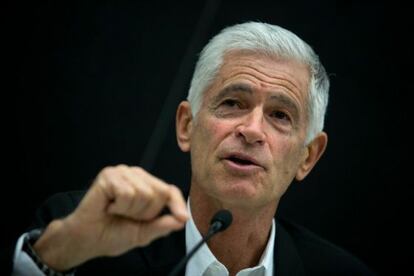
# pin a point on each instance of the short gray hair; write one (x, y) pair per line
(272, 40)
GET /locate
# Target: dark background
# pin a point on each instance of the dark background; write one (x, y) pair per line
(92, 84)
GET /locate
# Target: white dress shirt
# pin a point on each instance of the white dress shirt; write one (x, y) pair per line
(204, 263)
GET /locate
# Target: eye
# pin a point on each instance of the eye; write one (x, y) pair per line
(229, 107)
(231, 103)
(280, 115)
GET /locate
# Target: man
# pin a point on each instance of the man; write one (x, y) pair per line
(253, 122)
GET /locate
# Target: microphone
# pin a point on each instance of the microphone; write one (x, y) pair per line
(220, 221)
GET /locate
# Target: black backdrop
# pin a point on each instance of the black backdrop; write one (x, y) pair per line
(95, 84)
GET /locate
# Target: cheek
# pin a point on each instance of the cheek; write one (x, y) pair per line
(203, 140)
(286, 157)
(206, 138)
(213, 132)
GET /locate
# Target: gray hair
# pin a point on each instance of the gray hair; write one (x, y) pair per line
(268, 39)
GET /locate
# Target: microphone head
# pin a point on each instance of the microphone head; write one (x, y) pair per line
(224, 217)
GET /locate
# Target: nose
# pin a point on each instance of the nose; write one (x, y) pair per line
(251, 128)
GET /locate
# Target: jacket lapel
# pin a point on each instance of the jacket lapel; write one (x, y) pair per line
(287, 260)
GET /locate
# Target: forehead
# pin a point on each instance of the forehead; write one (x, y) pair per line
(263, 72)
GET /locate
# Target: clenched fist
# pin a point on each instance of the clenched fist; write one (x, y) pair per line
(120, 211)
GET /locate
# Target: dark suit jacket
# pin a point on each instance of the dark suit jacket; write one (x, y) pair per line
(297, 250)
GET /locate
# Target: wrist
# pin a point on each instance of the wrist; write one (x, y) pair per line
(54, 247)
(28, 247)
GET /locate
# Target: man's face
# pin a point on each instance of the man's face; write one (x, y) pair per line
(247, 141)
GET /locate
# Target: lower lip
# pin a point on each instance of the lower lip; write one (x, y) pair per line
(241, 169)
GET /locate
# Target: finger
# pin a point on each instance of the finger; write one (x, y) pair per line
(177, 204)
(155, 194)
(145, 194)
(159, 227)
(101, 198)
(160, 189)
(123, 196)
(154, 206)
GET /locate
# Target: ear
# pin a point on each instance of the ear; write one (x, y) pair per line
(183, 124)
(313, 152)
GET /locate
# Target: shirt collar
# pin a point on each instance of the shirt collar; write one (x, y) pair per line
(204, 259)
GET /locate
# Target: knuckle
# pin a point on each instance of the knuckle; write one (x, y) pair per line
(174, 189)
(126, 194)
(165, 190)
(106, 171)
(105, 176)
(121, 167)
(162, 188)
(138, 170)
(147, 193)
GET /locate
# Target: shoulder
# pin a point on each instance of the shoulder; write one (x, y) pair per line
(319, 256)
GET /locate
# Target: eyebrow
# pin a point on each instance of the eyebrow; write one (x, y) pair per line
(245, 88)
(231, 89)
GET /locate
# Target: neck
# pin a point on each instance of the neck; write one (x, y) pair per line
(248, 233)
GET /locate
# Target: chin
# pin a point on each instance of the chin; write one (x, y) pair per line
(240, 192)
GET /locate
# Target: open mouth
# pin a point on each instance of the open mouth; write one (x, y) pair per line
(240, 161)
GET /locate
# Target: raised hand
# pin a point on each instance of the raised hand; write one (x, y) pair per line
(120, 211)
